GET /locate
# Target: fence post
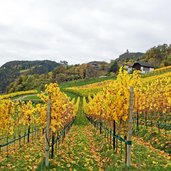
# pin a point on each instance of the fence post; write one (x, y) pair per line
(53, 140)
(47, 139)
(137, 119)
(14, 141)
(7, 145)
(130, 122)
(28, 136)
(114, 134)
(100, 126)
(125, 150)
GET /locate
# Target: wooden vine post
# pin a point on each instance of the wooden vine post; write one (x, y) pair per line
(47, 139)
(100, 123)
(52, 146)
(130, 125)
(28, 136)
(114, 134)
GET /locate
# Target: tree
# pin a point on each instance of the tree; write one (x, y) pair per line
(64, 63)
(114, 67)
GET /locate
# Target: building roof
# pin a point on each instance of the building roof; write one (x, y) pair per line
(143, 64)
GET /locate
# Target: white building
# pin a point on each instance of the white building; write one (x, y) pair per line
(144, 67)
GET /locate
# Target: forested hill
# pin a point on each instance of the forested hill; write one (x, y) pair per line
(12, 70)
(158, 56)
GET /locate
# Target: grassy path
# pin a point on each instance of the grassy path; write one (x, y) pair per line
(79, 151)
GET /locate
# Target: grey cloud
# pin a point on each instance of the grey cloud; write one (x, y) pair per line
(79, 31)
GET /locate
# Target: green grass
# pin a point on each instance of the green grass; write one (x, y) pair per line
(81, 119)
(159, 140)
(70, 94)
(84, 82)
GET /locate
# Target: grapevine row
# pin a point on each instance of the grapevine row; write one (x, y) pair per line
(16, 116)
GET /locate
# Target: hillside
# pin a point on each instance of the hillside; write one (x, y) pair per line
(130, 56)
(63, 73)
(14, 69)
(158, 56)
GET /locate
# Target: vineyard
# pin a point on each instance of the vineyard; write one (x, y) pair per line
(122, 124)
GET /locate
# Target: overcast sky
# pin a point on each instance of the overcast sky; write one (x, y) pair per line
(81, 30)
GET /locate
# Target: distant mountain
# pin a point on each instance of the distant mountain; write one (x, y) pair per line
(129, 56)
(12, 70)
